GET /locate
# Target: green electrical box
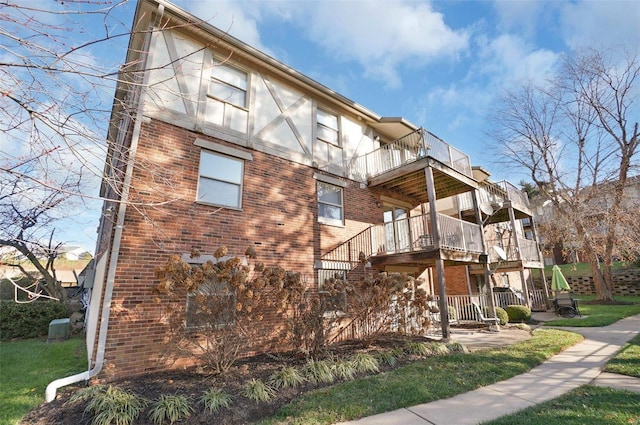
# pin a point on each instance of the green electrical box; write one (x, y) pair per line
(58, 330)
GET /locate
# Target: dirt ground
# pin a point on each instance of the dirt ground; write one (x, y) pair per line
(194, 383)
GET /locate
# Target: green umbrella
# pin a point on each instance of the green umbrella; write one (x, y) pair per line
(558, 282)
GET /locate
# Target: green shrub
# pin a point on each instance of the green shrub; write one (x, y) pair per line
(518, 313)
(502, 315)
(456, 347)
(417, 349)
(365, 363)
(316, 371)
(29, 320)
(257, 390)
(437, 348)
(344, 369)
(7, 290)
(287, 377)
(215, 399)
(110, 405)
(388, 357)
(170, 407)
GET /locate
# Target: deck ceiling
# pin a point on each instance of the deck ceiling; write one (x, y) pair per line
(502, 215)
(411, 181)
(426, 258)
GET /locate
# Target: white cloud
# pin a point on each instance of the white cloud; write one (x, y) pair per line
(520, 16)
(508, 59)
(240, 19)
(381, 36)
(601, 24)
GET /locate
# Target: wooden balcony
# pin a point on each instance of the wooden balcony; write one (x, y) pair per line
(409, 242)
(400, 166)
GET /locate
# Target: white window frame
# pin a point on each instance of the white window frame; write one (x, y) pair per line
(330, 220)
(237, 86)
(210, 176)
(325, 149)
(207, 290)
(324, 274)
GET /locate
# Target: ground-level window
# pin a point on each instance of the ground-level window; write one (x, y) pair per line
(212, 305)
(332, 300)
(220, 181)
(330, 207)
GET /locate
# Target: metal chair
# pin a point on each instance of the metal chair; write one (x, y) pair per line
(565, 305)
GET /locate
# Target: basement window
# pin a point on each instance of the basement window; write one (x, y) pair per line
(211, 306)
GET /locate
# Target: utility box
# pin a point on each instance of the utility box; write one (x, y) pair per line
(58, 330)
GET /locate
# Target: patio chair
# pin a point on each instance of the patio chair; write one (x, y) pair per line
(491, 321)
(565, 305)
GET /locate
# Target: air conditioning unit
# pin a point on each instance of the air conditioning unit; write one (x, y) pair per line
(58, 330)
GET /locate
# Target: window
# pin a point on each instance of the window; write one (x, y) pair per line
(228, 97)
(211, 306)
(327, 149)
(220, 181)
(329, 203)
(332, 300)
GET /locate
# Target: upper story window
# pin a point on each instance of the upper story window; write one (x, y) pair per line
(330, 207)
(220, 181)
(327, 149)
(227, 103)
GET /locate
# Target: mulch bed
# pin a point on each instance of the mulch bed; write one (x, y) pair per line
(194, 382)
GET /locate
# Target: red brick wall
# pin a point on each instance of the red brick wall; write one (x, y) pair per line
(278, 218)
(456, 280)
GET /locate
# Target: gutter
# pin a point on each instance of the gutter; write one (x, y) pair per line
(52, 388)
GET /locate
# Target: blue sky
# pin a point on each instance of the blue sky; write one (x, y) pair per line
(438, 64)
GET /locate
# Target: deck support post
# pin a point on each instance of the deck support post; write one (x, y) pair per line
(435, 232)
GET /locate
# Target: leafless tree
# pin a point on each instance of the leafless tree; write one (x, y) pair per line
(58, 76)
(577, 137)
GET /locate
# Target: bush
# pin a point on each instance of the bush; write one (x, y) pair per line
(518, 313)
(29, 320)
(503, 316)
(170, 408)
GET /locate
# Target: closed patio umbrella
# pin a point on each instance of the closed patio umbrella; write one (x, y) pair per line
(558, 281)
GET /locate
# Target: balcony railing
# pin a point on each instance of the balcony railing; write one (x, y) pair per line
(408, 235)
(405, 150)
(515, 195)
(529, 250)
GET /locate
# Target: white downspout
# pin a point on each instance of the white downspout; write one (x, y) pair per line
(52, 388)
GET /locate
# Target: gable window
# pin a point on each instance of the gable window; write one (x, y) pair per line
(227, 97)
(210, 306)
(327, 150)
(330, 208)
(220, 181)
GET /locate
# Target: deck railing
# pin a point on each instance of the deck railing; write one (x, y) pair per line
(407, 235)
(515, 195)
(407, 149)
(529, 250)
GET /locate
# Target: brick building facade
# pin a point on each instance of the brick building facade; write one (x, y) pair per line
(246, 152)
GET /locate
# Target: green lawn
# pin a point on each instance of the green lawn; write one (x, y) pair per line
(424, 381)
(595, 315)
(627, 362)
(587, 405)
(26, 367)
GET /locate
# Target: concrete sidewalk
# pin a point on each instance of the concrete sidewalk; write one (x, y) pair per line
(578, 365)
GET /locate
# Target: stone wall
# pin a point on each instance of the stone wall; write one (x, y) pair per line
(625, 282)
